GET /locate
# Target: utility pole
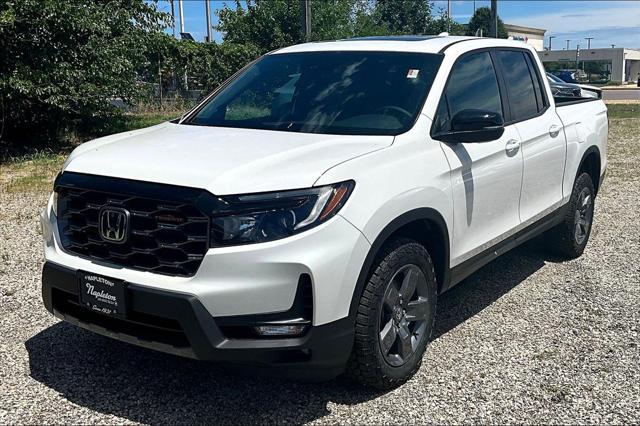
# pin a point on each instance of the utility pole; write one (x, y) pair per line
(173, 17)
(551, 37)
(474, 7)
(567, 44)
(494, 18)
(181, 11)
(589, 42)
(305, 8)
(448, 15)
(208, 11)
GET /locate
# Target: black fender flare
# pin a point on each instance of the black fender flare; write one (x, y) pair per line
(418, 214)
(591, 150)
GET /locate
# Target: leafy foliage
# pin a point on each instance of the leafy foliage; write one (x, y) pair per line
(63, 61)
(207, 65)
(272, 24)
(404, 16)
(267, 24)
(481, 19)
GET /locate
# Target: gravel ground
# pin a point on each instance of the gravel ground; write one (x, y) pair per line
(528, 339)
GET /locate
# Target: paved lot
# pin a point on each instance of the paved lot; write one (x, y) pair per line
(621, 94)
(528, 339)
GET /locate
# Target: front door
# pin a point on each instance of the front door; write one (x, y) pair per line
(485, 177)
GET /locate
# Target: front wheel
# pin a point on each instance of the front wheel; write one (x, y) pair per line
(395, 316)
(570, 237)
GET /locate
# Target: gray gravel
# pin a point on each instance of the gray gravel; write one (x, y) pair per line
(526, 339)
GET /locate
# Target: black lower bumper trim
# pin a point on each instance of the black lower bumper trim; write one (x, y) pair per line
(178, 323)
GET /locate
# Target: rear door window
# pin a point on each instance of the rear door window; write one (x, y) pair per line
(520, 87)
(541, 96)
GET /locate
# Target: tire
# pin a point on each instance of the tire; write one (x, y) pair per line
(570, 237)
(389, 308)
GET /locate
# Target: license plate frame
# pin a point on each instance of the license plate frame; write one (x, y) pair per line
(102, 294)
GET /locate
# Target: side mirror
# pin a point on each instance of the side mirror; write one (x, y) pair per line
(473, 125)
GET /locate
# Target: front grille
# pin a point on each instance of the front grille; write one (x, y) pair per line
(167, 235)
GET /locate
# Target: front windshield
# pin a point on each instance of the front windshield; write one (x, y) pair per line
(353, 93)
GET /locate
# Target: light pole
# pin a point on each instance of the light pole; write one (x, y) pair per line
(550, 38)
(567, 44)
(588, 42)
(181, 11)
(173, 17)
(494, 18)
(305, 7)
(208, 11)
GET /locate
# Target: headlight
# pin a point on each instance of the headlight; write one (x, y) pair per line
(257, 218)
(54, 203)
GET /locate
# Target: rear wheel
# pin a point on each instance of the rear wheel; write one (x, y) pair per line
(571, 236)
(395, 316)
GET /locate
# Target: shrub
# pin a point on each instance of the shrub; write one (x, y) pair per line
(62, 62)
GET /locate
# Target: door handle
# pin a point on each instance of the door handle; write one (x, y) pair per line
(554, 131)
(512, 147)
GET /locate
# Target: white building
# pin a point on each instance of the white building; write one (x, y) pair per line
(532, 36)
(623, 63)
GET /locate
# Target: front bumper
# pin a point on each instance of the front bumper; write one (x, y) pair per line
(178, 323)
(251, 279)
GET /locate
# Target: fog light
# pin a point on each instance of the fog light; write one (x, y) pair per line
(280, 330)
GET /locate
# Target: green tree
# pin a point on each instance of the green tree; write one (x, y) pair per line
(481, 19)
(336, 19)
(271, 24)
(266, 24)
(443, 23)
(404, 16)
(64, 60)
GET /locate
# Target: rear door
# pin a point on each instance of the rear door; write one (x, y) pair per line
(543, 142)
(485, 177)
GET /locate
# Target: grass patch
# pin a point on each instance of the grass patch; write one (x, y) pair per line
(128, 122)
(85, 131)
(35, 171)
(630, 110)
(31, 174)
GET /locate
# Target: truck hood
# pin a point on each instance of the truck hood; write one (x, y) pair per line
(220, 160)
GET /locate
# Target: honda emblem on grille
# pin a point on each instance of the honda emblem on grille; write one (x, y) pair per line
(114, 224)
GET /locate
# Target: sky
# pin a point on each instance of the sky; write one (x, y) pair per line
(609, 22)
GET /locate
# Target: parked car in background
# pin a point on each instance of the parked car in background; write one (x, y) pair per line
(570, 76)
(560, 88)
(307, 215)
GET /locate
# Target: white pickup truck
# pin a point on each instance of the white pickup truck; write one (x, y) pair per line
(307, 214)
